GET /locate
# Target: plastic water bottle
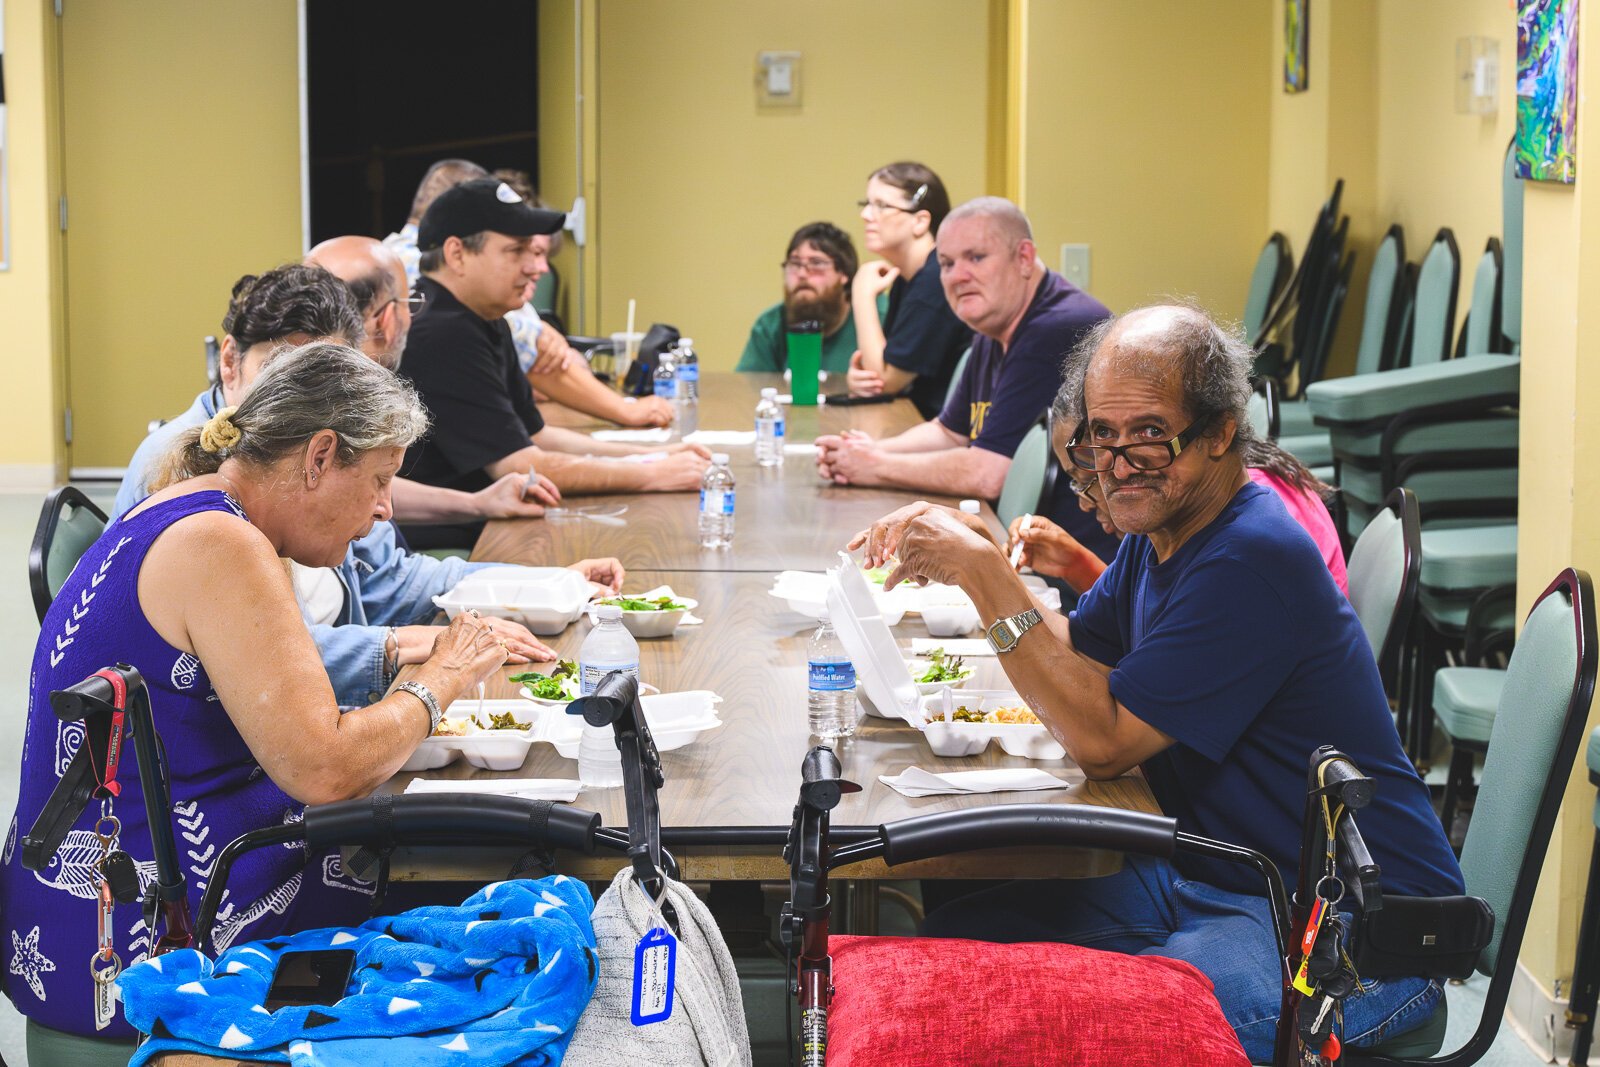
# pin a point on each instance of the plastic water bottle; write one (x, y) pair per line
(609, 647)
(665, 377)
(688, 365)
(716, 504)
(831, 686)
(769, 429)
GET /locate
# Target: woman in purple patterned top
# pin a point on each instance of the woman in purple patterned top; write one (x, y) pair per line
(191, 588)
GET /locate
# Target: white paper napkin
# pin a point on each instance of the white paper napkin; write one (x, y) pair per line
(953, 646)
(729, 438)
(645, 457)
(654, 436)
(559, 789)
(916, 782)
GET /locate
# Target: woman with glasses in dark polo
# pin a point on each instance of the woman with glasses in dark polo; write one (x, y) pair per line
(913, 348)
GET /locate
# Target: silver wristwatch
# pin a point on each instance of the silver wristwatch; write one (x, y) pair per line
(1004, 634)
(429, 701)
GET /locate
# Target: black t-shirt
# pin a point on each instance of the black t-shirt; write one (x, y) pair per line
(922, 335)
(465, 369)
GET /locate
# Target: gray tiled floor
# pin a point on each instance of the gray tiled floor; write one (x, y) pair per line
(19, 631)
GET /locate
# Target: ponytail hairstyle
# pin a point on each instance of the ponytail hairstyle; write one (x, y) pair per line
(318, 386)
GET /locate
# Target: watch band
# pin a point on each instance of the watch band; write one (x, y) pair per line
(429, 701)
(1004, 634)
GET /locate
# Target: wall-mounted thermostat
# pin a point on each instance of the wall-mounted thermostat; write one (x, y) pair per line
(778, 79)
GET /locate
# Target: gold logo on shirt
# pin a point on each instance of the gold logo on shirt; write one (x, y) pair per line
(978, 412)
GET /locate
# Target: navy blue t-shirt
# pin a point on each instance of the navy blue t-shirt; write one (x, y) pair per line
(922, 335)
(1242, 649)
(1002, 393)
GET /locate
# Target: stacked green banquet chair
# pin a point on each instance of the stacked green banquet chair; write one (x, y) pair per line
(1273, 267)
(1285, 341)
(1481, 330)
(1388, 296)
(69, 523)
(1030, 480)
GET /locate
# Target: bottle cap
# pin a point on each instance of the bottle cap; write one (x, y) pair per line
(719, 458)
(768, 393)
(971, 507)
(608, 612)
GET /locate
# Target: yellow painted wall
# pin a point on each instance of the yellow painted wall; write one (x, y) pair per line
(182, 159)
(559, 140)
(699, 189)
(1436, 167)
(30, 298)
(1147, 139)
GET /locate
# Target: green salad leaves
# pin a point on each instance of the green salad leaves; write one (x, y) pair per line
(633, 603)
(943, 668)
(559, 684)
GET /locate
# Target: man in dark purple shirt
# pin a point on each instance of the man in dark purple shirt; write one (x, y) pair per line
(1026, 319)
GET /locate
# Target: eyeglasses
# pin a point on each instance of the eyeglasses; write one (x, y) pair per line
(1087, 489)
(416, 301)
(1142, 455)
(808, 266)
(878, 207)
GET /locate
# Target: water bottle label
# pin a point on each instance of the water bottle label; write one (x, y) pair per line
(832, 677)
(727, 502)
(777, 429)
(666, 388)
(689, 373)
(590, 675)
(711, 501)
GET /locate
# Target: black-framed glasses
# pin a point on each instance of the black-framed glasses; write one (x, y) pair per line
(808, 266)
(1141, 455)
(1089, 490)
(878, 207)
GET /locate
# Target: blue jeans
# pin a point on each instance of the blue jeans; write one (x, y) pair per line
(1148, 908)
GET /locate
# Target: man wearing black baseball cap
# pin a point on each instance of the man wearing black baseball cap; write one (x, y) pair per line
(482, 245)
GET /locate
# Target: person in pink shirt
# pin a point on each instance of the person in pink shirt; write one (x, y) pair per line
(1049, 550)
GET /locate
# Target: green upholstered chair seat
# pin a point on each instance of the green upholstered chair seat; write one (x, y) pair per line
(1498, 432)
(1295, 418)
(955, 375)
(1373, 396)
(1448, 614)
(1593, 752)
(1465, 699)
(1313, 449)
(1432, 486)
(1469, 558)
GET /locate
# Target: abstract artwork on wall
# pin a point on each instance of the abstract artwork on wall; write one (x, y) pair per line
(1547, 90)
(1294, 45)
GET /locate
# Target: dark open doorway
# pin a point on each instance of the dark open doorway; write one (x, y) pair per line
(393, 85)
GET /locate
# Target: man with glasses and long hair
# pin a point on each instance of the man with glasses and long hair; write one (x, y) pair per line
(817, 268)
(1215, 654)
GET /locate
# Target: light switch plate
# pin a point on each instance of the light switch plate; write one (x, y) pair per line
(778, 79)
(1075, 265)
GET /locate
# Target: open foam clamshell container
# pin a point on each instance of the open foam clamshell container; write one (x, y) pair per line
(1028, 740)
(544, 599)
(493, 750)
(882, 677)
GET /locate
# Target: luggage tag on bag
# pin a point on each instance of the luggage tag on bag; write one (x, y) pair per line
(655, 967)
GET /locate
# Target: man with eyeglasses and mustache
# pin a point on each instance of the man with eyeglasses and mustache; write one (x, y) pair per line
(1215, 654)
(817, 269)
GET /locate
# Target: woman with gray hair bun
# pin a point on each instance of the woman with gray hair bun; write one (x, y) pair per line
(190, 588)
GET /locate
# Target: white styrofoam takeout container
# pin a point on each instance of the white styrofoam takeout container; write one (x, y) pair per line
(970, 738)
(675, 720)
(544, 599)
(493, 750)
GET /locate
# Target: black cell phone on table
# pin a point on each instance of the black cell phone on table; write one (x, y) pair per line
(317, 976)
(845, 400)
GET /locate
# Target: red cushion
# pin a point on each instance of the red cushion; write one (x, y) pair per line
(910, 1001)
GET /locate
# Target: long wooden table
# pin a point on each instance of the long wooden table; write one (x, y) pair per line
(743, 777)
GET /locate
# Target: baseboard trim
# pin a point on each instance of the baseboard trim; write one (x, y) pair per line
(1539, 1017)
(27, 477)
(98, 474)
